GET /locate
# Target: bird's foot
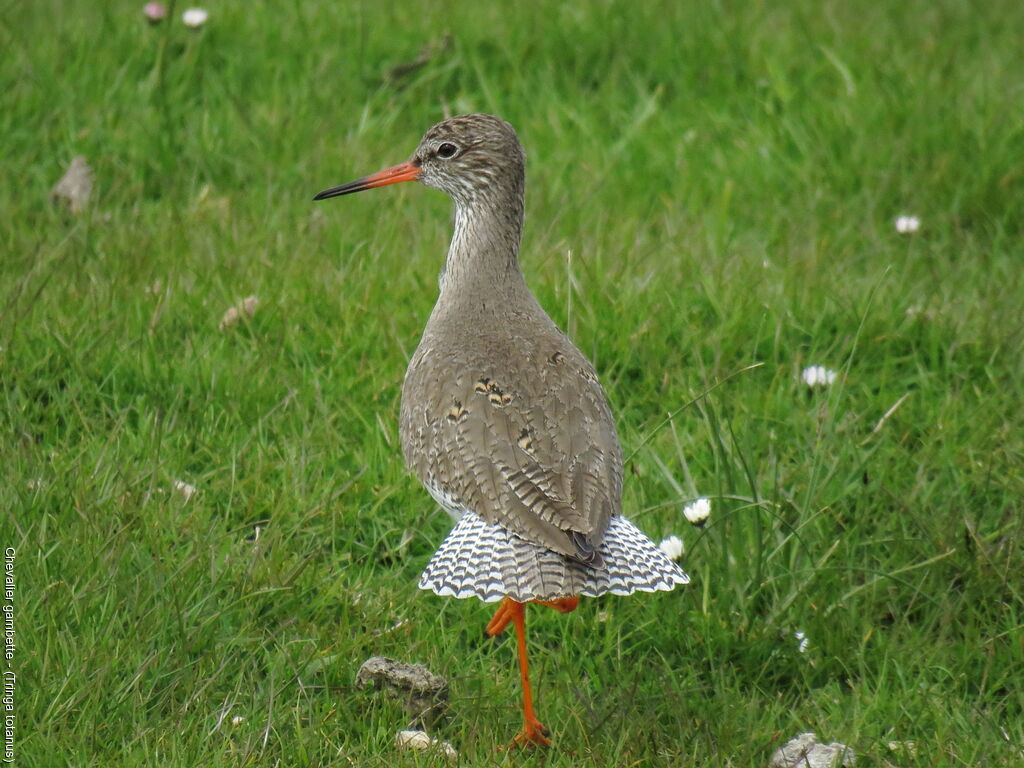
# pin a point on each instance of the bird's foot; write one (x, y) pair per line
(502, 617)
(561, 604)
(533, 735)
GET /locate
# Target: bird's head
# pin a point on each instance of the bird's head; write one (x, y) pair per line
(469, 156)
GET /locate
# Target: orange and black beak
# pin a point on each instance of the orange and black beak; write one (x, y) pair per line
(398, 173)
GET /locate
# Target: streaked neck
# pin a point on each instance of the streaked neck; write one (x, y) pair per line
(483, 258)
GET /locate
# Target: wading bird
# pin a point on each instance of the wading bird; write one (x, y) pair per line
(503, 420)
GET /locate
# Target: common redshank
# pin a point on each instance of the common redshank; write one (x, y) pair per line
(503, 420)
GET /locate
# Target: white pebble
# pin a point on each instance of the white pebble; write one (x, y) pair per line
(245, 308)
(420, 740)
(187, 490)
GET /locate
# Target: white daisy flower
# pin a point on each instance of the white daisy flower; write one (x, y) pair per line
(907, 225)
(672, 547)
(818, 376)
(195, 17)
(801, 641)
(698, 512)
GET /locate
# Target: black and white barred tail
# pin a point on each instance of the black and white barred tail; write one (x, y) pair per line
(480, 559)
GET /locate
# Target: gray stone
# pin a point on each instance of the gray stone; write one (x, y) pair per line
(75, 186)
(805, 751)
(422, 694)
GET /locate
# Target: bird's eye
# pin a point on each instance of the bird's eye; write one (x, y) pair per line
(447, 150)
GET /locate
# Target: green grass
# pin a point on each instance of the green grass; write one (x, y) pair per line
(725, 176)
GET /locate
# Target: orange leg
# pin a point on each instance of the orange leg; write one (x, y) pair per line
(511, 611)
(533, 732)
(503, 615)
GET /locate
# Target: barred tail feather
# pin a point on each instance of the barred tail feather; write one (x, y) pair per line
(484, 560)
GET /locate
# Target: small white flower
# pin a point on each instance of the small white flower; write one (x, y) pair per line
(672, 547)
(195, 17)
(698, 512)
(187, 490)
(818, 376)
(907, 225)
(237, 720)
(801, 641)
(906, 747)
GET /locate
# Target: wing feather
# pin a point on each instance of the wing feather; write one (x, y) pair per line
(530, 445)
